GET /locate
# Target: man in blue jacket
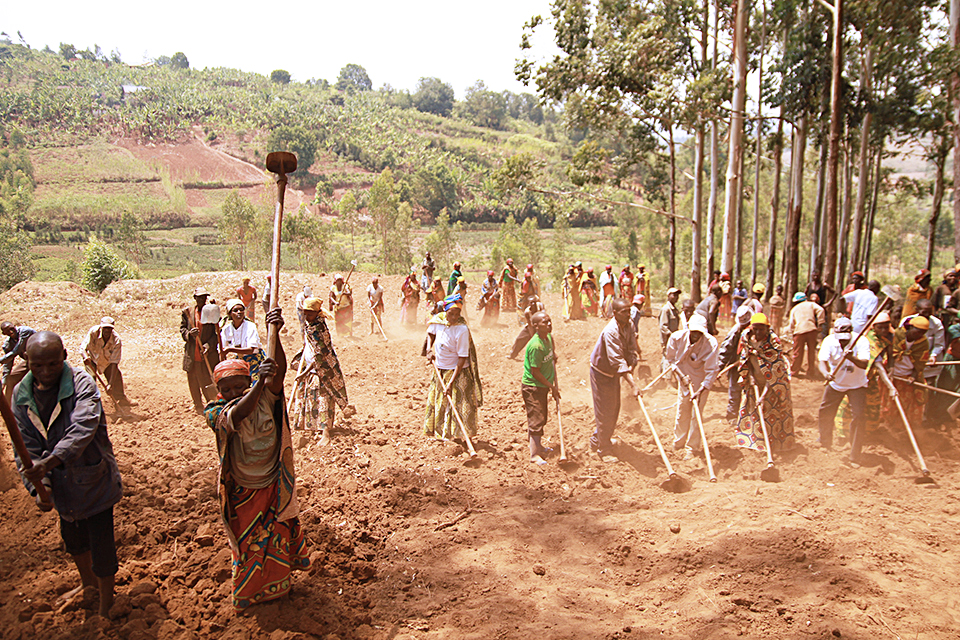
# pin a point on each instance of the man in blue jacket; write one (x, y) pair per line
(58, 411)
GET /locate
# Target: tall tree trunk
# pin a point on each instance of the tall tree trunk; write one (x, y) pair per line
(819, 229)
(673, 208)
(878, 172)
(714, 161)
(955, 91)
(774, 208)
(756, 172)
(844, 240)
(830, 266)
(698, 153)
(791, 258)
(738, 251)
(734, 158)
(866, 87)
(940, 159)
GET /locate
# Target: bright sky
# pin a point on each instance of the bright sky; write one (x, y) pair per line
(396, 42)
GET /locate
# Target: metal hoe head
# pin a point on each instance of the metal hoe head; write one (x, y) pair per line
(892, 292)
(281, 162)
(210, 314)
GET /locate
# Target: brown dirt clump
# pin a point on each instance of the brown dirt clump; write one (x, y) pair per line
(411, 541)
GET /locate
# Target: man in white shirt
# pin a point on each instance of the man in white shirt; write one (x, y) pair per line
(670, 317)
(375, 298)
(101, 350)
(301, 297)
(862, 304)
(695, 354)
(849, 372)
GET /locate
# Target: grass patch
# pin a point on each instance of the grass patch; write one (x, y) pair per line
(98, 162)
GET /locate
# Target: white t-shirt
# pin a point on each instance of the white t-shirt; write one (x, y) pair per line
(848, 376)
(375, 294)
(450, 344)
(245, 337)
(864, 304)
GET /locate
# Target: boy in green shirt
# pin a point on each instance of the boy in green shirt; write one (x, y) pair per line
(539, 377)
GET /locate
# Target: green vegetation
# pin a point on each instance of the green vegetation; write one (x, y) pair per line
(101, 266)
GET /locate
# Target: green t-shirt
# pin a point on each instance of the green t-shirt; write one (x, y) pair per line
(539, 355)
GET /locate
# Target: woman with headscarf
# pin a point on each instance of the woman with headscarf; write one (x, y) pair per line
(762, 364)
(240, 338)
(449, 346)
(319, 387)
(409, 299)
(257, 486)
(589, 294)
(341, 304)
(489, 300)
(573, 308)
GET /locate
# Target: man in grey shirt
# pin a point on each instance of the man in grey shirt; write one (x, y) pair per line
(613, 357)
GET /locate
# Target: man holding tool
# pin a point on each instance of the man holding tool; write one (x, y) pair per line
(101, 350)
(196, 336)
(694, 355)
(64, 430)
(613, 357)
(539, 378)
(845, 368)
(375, 299)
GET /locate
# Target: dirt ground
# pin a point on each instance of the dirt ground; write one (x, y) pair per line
(412, 542)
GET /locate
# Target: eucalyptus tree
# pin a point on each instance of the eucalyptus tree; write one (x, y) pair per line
(624, 70)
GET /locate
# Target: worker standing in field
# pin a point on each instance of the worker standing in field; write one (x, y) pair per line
(613, 357)
(608, 290)
(341, 304)
(375, 300)
(509, 279)
(247, 293)
(101, 351)
(200, 341)
(539, 381)
(455, 276)
(589, 294)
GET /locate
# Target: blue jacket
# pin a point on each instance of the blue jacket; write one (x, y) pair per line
(88, 480)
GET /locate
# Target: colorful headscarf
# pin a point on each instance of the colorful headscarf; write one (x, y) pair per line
(451, 301)
(312, 304)
(230, 368)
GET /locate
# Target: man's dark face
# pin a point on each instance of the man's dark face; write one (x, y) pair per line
(622, 315)
(673, 297)
(200, 300)
(915, 333)
(106, 332)
(46, 362)
(9, 331)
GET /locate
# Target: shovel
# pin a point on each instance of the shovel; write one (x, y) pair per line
(280, 163)
(563, 449)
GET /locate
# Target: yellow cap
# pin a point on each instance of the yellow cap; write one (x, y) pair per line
(759, 318)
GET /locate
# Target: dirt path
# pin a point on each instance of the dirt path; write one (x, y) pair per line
(411, 542)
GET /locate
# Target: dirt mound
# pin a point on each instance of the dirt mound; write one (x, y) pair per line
(410, 540)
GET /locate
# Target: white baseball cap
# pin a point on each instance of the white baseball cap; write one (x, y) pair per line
(697, 323)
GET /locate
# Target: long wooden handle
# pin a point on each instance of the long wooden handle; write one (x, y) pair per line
(763, 421)
(906, 423)
(563, 449)
(456, 414)
(656, 438)
(272, 331)
(18, 445)
(703, 434)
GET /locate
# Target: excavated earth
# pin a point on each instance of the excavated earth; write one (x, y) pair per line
(410, 540)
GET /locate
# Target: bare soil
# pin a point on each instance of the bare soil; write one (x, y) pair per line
(410, 541)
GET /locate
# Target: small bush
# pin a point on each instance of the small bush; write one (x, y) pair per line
(102, 265)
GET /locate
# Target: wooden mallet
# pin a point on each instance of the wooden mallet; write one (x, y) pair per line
(281, 163)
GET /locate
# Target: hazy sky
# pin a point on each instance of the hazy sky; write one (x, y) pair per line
(396, 42)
